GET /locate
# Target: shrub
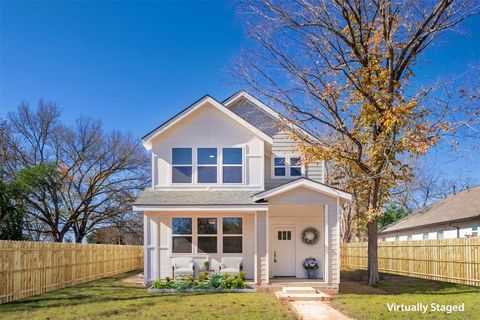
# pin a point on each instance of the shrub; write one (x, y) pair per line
(216, 280)
(160, 284)
(233, 282)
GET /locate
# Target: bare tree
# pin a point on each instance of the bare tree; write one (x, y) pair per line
(343, 69)
(95, 173)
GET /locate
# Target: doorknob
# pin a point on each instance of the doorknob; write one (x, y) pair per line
(275, 256)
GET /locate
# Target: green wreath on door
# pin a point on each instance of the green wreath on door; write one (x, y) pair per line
(310, 235)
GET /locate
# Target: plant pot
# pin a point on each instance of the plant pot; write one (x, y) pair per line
(312, 273)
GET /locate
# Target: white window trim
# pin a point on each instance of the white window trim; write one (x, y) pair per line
(195, 252)
(183, 235)
(194, 169)
(219, 165)
(287, 166)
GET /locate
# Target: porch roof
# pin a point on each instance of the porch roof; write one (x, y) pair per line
(150, 197)
(303, 182)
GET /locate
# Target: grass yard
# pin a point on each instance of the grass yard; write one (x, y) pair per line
(362, 302)
(111, 298)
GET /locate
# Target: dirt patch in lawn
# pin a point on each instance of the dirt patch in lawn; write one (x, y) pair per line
(351, 287)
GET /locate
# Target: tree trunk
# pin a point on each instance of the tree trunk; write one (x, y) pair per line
(372, 230)
(373, 276)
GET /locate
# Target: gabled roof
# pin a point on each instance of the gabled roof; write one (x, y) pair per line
(303, 182)
(462, 206)
(242, 94)
(196, 105)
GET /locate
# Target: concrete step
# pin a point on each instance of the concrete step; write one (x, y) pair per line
(318, 296)
(298, 290)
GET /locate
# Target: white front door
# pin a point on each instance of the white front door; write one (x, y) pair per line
(283, 252)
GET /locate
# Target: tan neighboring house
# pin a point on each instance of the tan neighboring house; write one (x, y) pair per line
(227, 181)
(456, 216)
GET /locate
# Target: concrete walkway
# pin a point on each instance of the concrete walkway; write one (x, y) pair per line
(317, 310)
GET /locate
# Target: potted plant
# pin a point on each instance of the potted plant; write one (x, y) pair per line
(206, 264)
(311, 265)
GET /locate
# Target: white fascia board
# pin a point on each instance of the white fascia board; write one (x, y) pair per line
(264, 107)
(224, 208)
(207, 99)
(303, 183)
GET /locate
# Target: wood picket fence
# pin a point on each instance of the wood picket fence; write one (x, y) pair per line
(29, 268)
(449, 260)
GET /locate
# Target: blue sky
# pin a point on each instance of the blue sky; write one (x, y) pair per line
(135, 64)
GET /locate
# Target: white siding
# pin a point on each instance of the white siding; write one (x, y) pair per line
(208, 127)
(311, 203)
(448, 231)
(158, 244)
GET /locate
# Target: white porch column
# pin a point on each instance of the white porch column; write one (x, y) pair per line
(326, 276)
(255, 256)
(267, 240)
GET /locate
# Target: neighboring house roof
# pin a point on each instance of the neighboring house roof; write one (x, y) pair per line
(150, 197)
(198, 104)
(464, 205)
(261, 121)
(303, 182)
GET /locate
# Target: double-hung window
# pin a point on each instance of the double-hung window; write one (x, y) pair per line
(207, 235)
(280, 167)
(295, 167)
(475, 229)
(232, 165)
(207, 165)
(287, 167)
(182, 235)
(232, 235)
(182, 165)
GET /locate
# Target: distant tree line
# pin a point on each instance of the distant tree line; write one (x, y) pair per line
(64, 182)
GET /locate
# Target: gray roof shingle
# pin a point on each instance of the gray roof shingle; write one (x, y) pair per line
(462, 206)
(195, 197)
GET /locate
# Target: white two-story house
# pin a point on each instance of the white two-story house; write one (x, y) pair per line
(227, 181)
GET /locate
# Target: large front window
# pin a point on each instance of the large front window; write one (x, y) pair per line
(204, 235)
(232, 235)
(182, 235)
(207, 235)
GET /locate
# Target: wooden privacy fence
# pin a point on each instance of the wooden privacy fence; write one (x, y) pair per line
(449, 260)
(30, 268)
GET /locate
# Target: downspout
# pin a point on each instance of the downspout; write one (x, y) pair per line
(457, 227)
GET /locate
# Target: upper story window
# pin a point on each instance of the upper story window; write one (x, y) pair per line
(287, 167)
(280, 167)
(232, 165)
(204, 167)
(295, 167)
(182, 165)
(207, 165)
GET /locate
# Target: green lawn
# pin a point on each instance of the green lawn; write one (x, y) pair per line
(361, 302)
(111, 298)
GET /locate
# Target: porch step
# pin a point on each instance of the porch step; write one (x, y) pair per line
(302, 294)
(298, 290)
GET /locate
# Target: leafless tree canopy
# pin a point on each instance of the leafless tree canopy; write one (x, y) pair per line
(96, 175)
